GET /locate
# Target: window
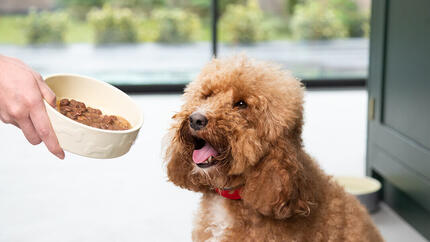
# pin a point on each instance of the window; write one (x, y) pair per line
(315, 39)
(166, 42)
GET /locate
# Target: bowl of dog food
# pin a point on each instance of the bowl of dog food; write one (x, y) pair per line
(364, 188)
(92, 118)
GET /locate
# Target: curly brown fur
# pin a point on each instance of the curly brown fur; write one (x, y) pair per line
(285, 195)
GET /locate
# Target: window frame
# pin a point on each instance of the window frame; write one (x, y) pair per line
(179, 88)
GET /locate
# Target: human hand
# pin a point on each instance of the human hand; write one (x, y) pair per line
(22, 91)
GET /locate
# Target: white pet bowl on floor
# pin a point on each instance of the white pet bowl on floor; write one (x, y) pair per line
(85, 140)
(364, 188)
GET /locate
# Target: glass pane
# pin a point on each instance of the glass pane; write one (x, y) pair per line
(315, 39)
(119, 41)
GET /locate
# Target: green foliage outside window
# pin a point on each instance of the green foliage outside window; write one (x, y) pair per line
(349, 14)
(328, 19)
(317, 20)
(177, 25)
(45, 27)
(79, 8)
(117, 25)
(240, 21)
(146, 6)
(245, 23)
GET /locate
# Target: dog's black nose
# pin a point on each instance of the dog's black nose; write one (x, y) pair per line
(198, 121)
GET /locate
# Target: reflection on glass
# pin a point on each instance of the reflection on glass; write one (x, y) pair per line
(119, 41)
(316, 39)
(168, 41)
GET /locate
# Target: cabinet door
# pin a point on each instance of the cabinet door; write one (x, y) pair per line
(398, 148)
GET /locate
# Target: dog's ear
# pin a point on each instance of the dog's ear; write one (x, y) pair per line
(246, 150)
(277, 187)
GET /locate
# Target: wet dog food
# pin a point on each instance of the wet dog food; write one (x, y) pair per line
(93, 117)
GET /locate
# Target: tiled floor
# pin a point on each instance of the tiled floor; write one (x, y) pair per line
(127, 199)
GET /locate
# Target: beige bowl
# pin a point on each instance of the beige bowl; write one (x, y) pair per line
(364, 188)
(85, 140)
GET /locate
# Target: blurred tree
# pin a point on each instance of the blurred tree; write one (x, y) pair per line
(273, 7)
(202, 7)
(245, 24)
(316, 20)
(111, 25)
(350, 15)
(79, 8)
(88, 3)
(45, 27)
(224, 3)
(177, 25)
(326, 19)
(145, 5)
(291, 5)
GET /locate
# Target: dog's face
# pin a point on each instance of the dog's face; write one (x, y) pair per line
(236, 113)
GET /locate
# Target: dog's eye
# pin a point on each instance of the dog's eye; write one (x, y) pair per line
(241, 104)
(207, 95)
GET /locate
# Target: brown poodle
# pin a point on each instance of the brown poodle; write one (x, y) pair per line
(238, 141)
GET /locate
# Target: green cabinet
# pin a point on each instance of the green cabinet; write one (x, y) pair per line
(398, 148)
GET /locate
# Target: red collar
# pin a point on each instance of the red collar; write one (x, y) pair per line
(230, 194)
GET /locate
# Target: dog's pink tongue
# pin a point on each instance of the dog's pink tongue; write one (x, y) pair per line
(204, 153)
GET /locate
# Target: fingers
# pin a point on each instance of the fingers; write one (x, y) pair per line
(44, 129)
(47, 93)
(25, 125)
(21, 103)
(29, 131)
(7, 119)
